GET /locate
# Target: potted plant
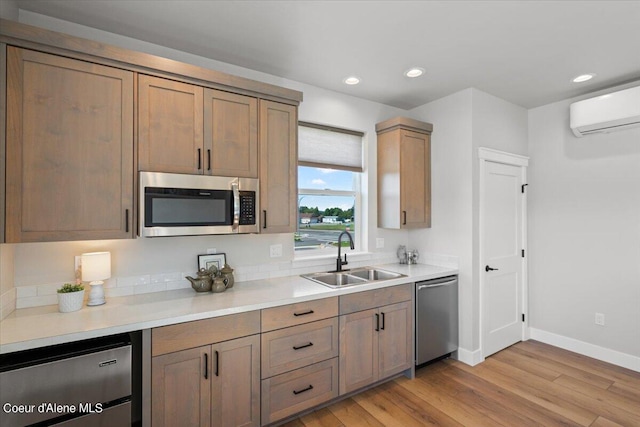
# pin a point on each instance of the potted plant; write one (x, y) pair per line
(70, 297)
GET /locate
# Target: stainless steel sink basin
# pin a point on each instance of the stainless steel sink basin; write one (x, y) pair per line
(372, 274)
(354, 277)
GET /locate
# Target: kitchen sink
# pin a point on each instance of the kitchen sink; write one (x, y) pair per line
(360, 276)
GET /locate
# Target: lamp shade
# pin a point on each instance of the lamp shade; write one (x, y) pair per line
(96, 266)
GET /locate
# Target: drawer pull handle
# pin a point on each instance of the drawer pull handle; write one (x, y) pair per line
(303, 390)
(303, 313)
(298, 347)
(217, 364)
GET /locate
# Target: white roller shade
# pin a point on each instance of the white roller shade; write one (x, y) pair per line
(324, 147)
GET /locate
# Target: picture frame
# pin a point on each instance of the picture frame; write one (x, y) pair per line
(208, 260)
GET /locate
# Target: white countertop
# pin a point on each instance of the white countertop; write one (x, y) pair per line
(42, 326)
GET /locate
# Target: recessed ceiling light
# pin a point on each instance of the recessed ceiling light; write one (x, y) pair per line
(352, 80)
(414, 72)
(583, 78)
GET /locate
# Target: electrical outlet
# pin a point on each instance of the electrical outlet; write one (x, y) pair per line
(77, 267)
(600, 319)
(275, 251)
(211, 251)
(379, 242)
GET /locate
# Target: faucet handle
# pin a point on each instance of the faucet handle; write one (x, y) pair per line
(345, 260)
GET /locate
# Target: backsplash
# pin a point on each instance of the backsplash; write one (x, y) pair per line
(45, 294)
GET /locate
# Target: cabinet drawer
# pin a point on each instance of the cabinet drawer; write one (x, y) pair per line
(168, 339)
(375, 298)
(299, 313)
(291, 348)
(295, 391)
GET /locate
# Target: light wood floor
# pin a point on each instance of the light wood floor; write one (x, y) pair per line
(528, 384)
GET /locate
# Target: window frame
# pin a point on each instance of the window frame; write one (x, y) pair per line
(356, 193)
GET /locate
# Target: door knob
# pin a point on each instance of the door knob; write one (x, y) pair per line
(487, 268)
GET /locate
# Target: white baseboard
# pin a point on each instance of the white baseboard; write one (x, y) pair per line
(591, 350)
(471, 358)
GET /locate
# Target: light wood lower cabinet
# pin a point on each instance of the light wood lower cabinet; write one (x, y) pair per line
(291, 348)
(181, 388)
(375, 343)
(295, 391)
(207, 372)
(299, 357)
(216, 385)
(235, 383)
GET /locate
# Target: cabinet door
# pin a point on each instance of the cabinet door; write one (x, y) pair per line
(358, 350)
(394, 340)
(236, 382)
(278, 167)
(69, 152)
(230, 134)
(415, 179)
(169, 126)
(181, 388)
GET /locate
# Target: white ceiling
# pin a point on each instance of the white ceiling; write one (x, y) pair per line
(523, 51)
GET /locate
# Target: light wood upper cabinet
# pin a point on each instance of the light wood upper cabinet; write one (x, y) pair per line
(230, 134)
(69, 149)
(170, 126)
(404, 173)
(278, 167)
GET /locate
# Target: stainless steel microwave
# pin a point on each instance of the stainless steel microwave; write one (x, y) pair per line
(187, 205)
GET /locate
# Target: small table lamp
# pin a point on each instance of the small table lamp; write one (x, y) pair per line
(96, 267)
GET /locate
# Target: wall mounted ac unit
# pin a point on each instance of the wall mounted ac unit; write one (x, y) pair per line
(606, 113)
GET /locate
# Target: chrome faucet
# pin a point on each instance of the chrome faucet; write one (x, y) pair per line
(339, 262)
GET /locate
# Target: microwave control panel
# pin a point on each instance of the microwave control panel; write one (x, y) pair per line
(247, 207)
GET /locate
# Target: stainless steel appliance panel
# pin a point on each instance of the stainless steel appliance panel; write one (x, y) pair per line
(114, 416)
(97, 377)
(436, 318)
(237, 186)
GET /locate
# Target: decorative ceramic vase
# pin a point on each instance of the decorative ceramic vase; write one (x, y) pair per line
(70, 301)
(227, 272)
(219, 284)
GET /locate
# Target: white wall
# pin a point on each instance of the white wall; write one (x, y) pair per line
(450, 232)
(462, 122)
(499, 125)
(584, 231)
(40, 263)
(9, 10)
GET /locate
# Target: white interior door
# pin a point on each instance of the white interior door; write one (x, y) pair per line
(501, 256)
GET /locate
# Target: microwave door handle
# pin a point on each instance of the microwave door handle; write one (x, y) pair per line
(236, 206)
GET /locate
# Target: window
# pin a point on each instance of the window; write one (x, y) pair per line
(329, 172)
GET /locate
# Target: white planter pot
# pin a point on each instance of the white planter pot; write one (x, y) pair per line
(71, 301)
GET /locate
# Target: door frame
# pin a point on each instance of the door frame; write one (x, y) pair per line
(490, 155)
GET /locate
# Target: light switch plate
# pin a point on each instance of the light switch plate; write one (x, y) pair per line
(275, 251)
(379, 242)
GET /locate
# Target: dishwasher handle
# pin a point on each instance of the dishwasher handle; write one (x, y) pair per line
(436, 285)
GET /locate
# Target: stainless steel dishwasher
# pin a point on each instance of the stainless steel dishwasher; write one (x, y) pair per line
(84, 383)
(436, 318)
